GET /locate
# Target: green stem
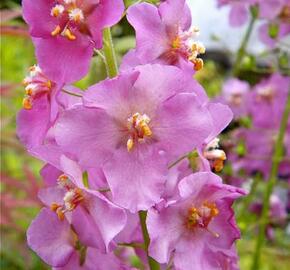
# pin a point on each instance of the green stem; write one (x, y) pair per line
(278, 153)
(152, 263)
(243, 47)
(109, 53)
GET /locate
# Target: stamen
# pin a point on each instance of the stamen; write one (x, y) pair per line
(30, 89)
(198, 64)
(216, 235)
(214, 155)
(202, 216)
(70, 1)
(54, 206)
(198, 47)
(57, 10)
(218, 165)
(27, 80)
(64, 182)
(56, 31)
(35, 85)
(72, 198)
(58, 210)
(130, 144)
(47, 84)
(76, 15)
(34, 70)
(26, 103)
(213, 144)
(69, 35)
(138, 126)
(184, 46)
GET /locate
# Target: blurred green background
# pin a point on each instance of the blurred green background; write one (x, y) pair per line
(20, 178)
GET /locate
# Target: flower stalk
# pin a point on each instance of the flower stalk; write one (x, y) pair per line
(278, 153)
(242, 50)
(152, 263)
(109, 53)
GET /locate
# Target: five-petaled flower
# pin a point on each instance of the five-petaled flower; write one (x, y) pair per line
(164, 35)
(65, 33)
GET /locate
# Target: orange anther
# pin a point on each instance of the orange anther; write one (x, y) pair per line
(54, 207)
(29, 91)
(48, 84)
(26, 103)
(198, 64)
(218, 165)
(56, 31)
(69, 35)
(55, 12)
(60, 214)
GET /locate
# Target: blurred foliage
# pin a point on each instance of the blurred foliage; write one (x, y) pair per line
(20, 178)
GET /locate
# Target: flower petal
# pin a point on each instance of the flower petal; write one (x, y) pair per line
(88, 133)
(33, 124)
(181, 124)
(63, 60)
(151, 36)
(50, 238)
(140, 183)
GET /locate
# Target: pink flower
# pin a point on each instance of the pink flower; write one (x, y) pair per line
(283, 29)
(270, 9)
(133, 126)
(164, 36)
(58, 245)
(196, 227)
(235, 94)
(268, 100)
(65, 32)
(76, 214)
(41, 104)
(239, 12)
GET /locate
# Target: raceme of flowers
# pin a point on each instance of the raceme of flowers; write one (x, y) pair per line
(263, 107)
(112, 151)
(251, 140)
(274, 15)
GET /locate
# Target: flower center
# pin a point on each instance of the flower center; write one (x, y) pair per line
(201, 217)
(265, 94)
(70, 19)
(184, 45)
(35, 84)
(72, 198)
(236, 99)
(215, 155)
(285, 14)
(139, 130)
